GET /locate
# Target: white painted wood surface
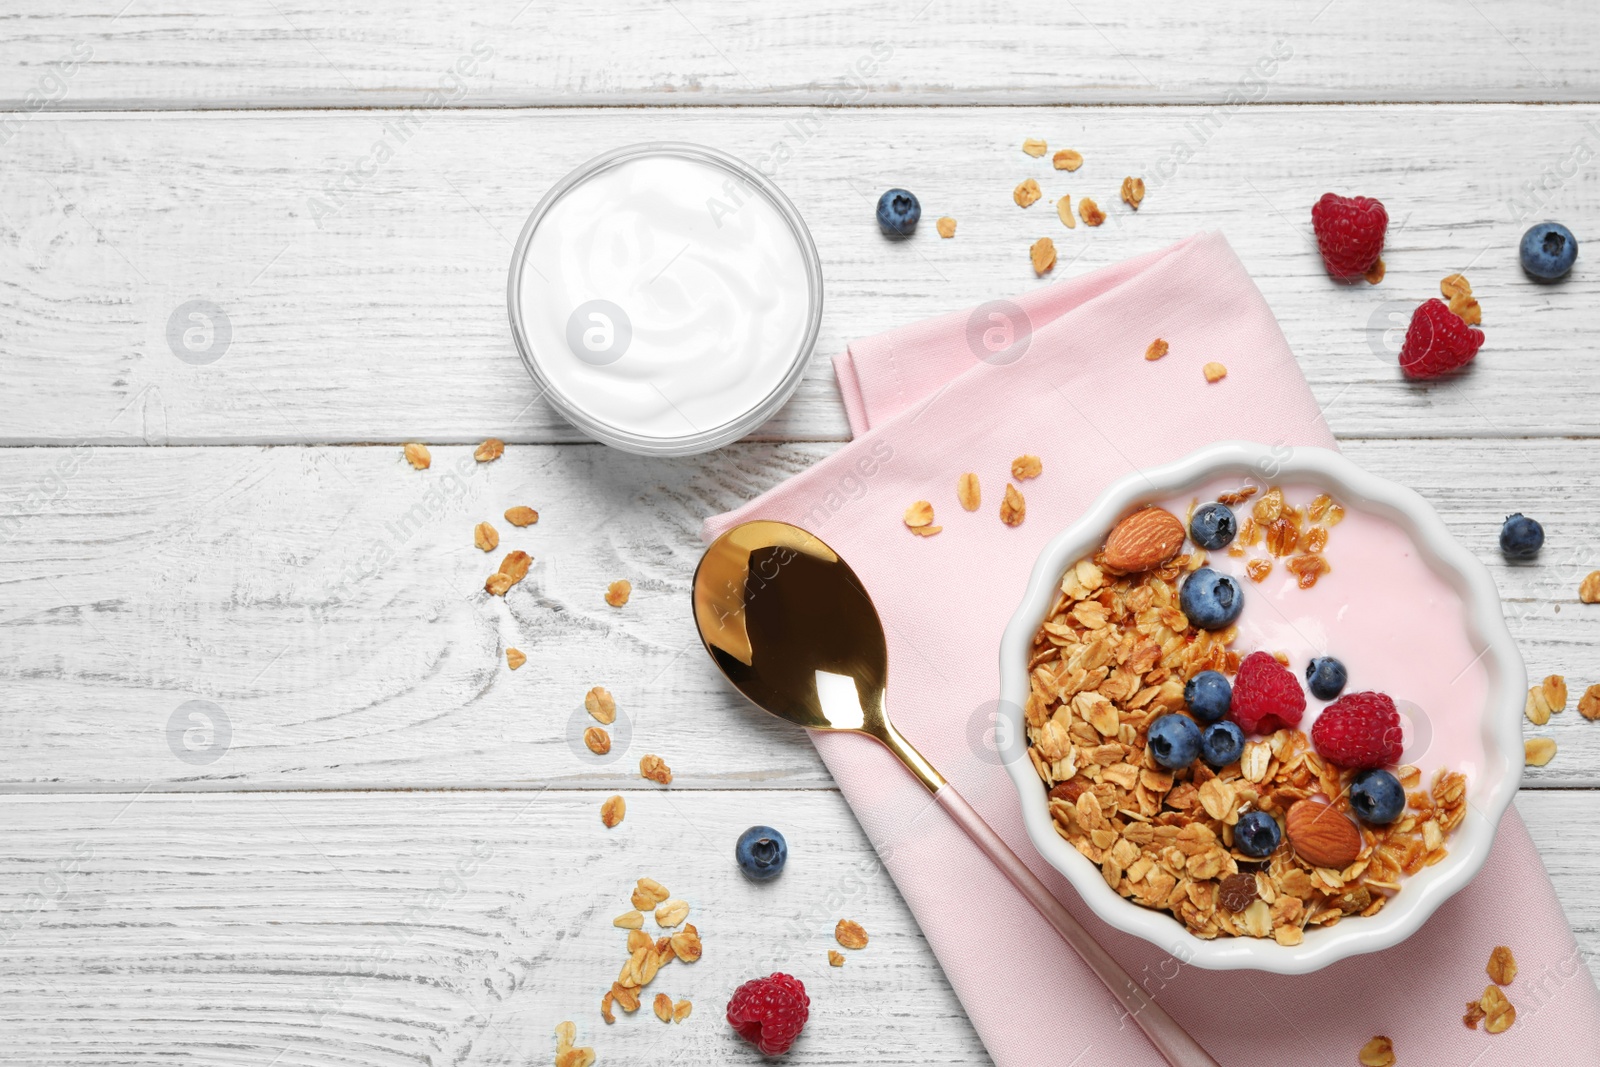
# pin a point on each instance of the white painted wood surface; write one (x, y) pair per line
(330, 602)
(275, 562)
(386, 319)
(271, 53)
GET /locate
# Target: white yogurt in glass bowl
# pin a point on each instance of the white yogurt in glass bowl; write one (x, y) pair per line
(665, 297)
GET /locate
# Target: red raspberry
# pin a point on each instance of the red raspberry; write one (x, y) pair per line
(1359, 731)
(1349, 233)
(1438, 341)
(1266, 695)
(770, 1012)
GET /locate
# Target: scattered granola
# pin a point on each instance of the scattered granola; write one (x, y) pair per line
(1024, 467)
(1113, 656)
(662, 1006)
(919, 514)
(617, 592)
(521, 515)
(835, 958)
(850, 934)
(1035, 147)
(1067, 159)
(968, 492)
(489, 451)
(1498, 1014)
(566, 1054)
(1214, 372)
(612, 811)
(1090, 212)
(652, 892)
(1064, 213)
(1157, 349)
(1589, 703)
(946, 226)
(597, 740)
(1458, 292)
(1474, 1014)
(1133, 192)
(1546, 699)
(1539, 750)
(1375, 273)
(515, 658)
(1589, 588)
(1043, 254)
(1013, 509)
(629, 920)
(512, 570)
(647, 955)
(485, 537)
(655, 768)
(418, 456)
(671, 912)
(1502, 966)
(1026, 193)
(1379, 1052)
(600, 705)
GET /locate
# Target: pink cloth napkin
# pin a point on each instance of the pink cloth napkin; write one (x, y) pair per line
(1082, 396)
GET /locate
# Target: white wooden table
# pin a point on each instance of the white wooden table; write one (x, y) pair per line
(391, 853)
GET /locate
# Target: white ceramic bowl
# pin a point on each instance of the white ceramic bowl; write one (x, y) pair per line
(1489, 792)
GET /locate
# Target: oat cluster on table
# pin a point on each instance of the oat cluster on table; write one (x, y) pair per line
(648, 955)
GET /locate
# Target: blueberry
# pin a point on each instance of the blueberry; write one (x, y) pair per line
(761, 853)
(1222, 743)
(1548, 251)
(1521, 537)
(898, 212)
(1174, 741)
(1325, 677)
(1213, 526)
(1208, 695)
(1377, 797)
(1210, 599)
(1257, 834)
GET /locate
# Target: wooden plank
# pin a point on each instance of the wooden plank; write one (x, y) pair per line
(328, 600)
(385, 319)
(263, 54)
(398, 929)
(460, 927)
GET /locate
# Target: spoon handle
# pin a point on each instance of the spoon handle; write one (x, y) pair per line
(1170, 1039)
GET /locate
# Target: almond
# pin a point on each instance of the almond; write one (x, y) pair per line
(1321, 836)
(1145, 539)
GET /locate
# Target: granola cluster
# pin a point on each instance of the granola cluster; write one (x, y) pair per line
(1113, 656)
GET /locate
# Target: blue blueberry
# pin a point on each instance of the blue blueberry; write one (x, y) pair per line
(761, 853)
(1548, 251)
(1377, 797)
(1211, 600)
(1521, 537)
(898, 212)
(1222, 743)
(1213, 526)
(1325, 677)
(1174, 741)
(1257, 834)
(1208, 695)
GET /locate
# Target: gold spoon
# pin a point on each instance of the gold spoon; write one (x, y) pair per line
(792, 627)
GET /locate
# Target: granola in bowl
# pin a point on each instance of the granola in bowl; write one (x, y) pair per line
(1112, 659)
(1292, 647)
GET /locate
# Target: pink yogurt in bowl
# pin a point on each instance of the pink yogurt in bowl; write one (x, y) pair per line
(1404, 607)
(1412, 642)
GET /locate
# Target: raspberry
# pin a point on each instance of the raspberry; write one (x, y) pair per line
(770, 1012)
(1266, 695)
(1359, 731)
(1349, 233)
(1437, 342)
